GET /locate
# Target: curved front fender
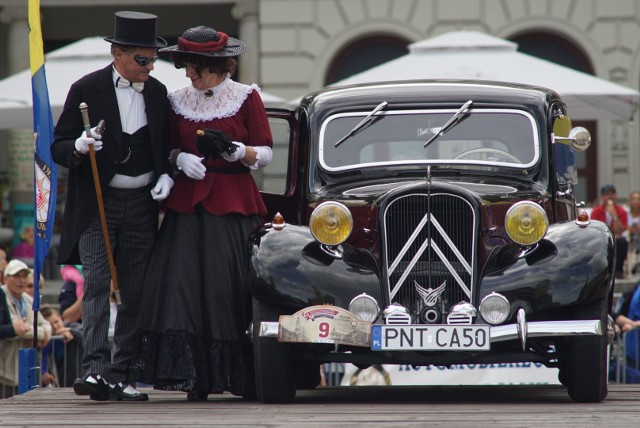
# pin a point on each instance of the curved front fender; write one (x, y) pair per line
(289, 267)
(571, 265)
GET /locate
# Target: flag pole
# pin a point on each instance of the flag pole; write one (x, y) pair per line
(44, 179)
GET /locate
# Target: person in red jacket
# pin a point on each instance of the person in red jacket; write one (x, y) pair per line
(191, 331)
(617, 218)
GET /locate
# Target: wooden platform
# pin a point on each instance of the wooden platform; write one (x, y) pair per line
(480, 406)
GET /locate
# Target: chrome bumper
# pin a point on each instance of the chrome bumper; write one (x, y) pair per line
(521, 330)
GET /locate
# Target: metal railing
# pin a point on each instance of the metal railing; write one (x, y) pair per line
(624, 369)
(61, 360)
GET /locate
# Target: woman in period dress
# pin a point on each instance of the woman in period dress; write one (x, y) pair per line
(196, 301)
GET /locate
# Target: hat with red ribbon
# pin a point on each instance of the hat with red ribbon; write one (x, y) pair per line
(206, 41)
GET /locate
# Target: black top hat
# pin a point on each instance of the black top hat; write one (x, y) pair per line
(207, 42)
(136, 29)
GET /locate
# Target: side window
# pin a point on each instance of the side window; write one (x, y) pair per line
(273, 177)
(565, 165)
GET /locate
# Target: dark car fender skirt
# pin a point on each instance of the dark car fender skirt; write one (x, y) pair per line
(569, 266)
(290, 268)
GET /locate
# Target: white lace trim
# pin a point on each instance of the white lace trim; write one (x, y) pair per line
(226, 100)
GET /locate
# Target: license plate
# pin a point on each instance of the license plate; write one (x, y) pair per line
(430, 337)
(324, 324)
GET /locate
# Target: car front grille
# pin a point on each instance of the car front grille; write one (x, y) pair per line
(429, 254)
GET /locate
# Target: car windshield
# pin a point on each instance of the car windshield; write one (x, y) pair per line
(482, 137)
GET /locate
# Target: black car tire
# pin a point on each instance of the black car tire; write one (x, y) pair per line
(584, 372)
(307, 375)
(275, 381)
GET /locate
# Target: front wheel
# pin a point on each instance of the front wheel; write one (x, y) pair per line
(584, 368)
(275, 377)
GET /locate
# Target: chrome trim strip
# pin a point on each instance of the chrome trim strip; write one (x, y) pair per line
(269, 329)
(452, 271)
(410, 241)
(452, 246)
(393, 289)
(426, 219)
(501, 333)
(356, 166)
(409, 268)
(521, 320)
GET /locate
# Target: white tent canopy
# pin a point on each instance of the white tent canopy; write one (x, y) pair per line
(478, 56)
(66, 65)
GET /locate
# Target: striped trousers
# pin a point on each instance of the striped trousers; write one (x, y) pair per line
(132, 220)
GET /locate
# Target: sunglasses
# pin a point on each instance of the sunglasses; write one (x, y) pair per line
(143, 61)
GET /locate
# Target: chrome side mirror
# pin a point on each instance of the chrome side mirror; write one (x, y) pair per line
(579, 138)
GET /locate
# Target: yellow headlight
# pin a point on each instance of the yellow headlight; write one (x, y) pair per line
(526, 223)
(331, 223)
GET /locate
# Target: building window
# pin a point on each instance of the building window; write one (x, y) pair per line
(365, 53)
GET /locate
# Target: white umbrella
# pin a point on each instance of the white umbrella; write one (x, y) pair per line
(478, 56)
(66, 65)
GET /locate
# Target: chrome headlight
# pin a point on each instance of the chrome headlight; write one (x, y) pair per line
(365, 307)
(494, 308)
(526, 223)
(331, 223)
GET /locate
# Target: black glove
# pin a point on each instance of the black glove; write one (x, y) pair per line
(211, 143)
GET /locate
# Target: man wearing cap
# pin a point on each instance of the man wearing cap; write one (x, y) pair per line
(19, 304)
(132, 163)
(616, 217)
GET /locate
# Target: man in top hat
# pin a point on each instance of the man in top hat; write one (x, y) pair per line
(617, 218)
(132, 163)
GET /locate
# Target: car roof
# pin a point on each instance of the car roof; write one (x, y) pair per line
(444, 93)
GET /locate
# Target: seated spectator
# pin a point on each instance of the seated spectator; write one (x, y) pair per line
(70, 298)
(30, 285)
(9, 328)
(20, 308)
(631, 343)
(25, 249)
(61, 359)
(4, 256)
(633, 257)
(616, 217)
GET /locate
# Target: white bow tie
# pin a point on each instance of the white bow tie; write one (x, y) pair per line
(121, 82)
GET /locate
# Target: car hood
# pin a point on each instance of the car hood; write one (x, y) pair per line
(485, 189)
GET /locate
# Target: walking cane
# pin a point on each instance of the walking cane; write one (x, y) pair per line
(84, 110)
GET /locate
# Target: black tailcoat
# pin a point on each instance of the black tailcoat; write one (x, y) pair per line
(98, 92)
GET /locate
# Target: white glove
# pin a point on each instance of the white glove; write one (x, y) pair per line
(235, 156)
(162, 188)
(83, 142)
(191, 165)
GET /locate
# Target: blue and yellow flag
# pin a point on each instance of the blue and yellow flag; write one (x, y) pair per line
(45, 174)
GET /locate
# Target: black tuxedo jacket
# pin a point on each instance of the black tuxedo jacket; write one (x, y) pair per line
(98, 92)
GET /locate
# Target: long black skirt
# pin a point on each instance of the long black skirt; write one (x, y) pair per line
(196, 306)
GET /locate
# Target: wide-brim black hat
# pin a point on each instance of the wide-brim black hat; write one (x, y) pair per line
(136, 29)
(206, 42)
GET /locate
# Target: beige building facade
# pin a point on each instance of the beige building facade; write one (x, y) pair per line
(297, 46)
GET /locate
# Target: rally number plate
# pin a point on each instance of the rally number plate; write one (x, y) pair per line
(324, 324)
(430, 337)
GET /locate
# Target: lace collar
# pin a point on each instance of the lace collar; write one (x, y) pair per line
(226, 100)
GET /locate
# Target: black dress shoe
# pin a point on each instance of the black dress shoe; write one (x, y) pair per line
(124, 391)
(194, 395)
(92, 385)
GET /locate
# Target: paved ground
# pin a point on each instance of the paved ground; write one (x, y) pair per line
(458, 406)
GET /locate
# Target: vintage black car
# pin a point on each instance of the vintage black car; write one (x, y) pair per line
(430, 223)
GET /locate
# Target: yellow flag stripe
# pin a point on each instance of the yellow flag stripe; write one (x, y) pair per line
(36, 49)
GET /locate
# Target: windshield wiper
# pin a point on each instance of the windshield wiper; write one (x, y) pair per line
(360, 125)
(450, 122)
